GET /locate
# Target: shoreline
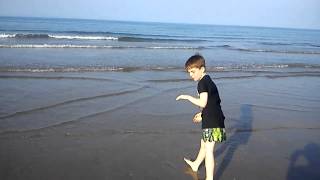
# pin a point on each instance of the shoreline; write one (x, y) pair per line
(146, 133)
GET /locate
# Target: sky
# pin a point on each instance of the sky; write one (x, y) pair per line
(267, 13)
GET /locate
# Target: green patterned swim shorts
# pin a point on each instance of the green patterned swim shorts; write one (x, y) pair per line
(214, 134)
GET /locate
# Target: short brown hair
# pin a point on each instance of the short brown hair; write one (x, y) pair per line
(195, 61)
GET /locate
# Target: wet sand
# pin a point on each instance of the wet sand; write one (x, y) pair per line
(145, 134)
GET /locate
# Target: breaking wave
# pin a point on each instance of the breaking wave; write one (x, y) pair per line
(95, 46)
(88, 36)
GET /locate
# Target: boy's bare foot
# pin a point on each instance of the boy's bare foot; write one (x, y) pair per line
(193, 166)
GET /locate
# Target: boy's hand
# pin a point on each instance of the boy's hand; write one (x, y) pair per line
(182, 97)
(197, 118)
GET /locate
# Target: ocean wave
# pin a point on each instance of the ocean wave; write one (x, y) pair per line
(95, 46)
(7, 35)
(54, 46)
(153, 39)
(228, 47)
(276, 44)
(124, 36)
(92, 36)
(315, 45)
(46, 36)
(83, 37)
(85, 33)
(31, 36)
(277, 51)
(265, 50)
(289, 44)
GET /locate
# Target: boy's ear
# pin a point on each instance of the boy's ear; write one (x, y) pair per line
(203, 69)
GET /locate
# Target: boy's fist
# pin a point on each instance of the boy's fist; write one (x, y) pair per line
(197, 118)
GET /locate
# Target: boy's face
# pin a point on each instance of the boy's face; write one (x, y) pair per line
(196, 73)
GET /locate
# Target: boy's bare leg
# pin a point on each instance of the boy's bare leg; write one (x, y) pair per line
(201, 155)
(209, 160)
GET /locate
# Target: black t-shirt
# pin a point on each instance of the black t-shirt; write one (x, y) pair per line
(212, 115)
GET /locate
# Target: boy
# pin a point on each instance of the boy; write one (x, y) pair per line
(211, 116)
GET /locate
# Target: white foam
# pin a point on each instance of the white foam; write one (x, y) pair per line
(7, 35)
(86, 46)
(53, 46)
(68, 37)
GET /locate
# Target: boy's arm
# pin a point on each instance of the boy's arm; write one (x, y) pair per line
(201, 101)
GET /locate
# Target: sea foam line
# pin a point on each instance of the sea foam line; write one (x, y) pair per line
(7, 35)
(93, 46)
(56, 46)
(58, 36)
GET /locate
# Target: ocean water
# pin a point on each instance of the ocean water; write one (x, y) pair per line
(72, 45)
(54, 71)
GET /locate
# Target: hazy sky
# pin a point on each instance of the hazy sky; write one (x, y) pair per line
(271, 13)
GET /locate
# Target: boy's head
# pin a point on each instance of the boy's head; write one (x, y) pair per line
(195, 65)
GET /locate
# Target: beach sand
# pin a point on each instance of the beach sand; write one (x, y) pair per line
(143, 133)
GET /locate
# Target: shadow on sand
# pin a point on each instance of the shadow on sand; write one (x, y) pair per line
(305, 163)
(240, 136)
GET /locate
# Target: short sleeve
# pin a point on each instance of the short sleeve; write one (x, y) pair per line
(202, 86)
